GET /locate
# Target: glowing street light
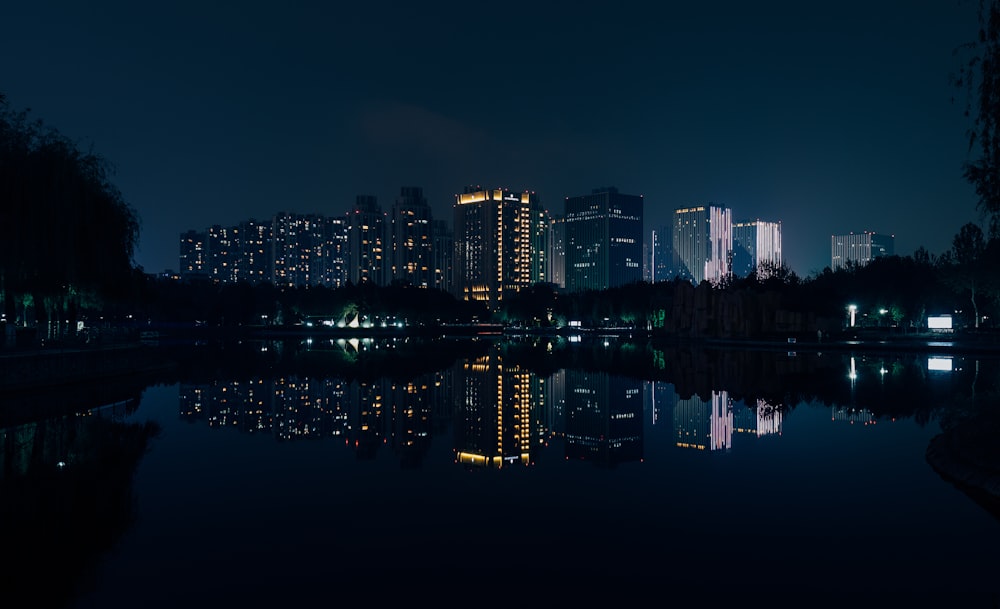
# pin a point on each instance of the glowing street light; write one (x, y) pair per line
(854, 310)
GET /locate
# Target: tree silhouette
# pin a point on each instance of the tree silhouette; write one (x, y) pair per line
(964, 267)
(980, 77)
(68, 234)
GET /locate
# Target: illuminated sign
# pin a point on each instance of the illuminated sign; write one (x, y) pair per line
(939, 322)
(939, 363)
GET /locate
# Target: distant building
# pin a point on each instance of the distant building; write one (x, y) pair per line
(253, 242)
(703, 241)
(366, 241)
(193, 255)
(299, 249)
(411, 239)
(859, 248)
(663, 265)
(557, 252)
(756, 247)
(332, 263)
(494, 234)
(603, 239)
(442, 252)
(222, 254)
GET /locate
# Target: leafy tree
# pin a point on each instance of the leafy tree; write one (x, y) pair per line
(980, 77)
(964, 267)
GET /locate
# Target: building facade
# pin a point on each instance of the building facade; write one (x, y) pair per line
(366, 241)
(662, 257)
(603, 239)
(411, 241)
(442, 252)
(756, 247)
(193, 255)
(493, 234)
(859, 248)
(703, 242)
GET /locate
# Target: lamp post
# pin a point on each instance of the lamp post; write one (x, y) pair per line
(853, 310)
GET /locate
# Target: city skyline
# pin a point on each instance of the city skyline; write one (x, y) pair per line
(829, 121)
(597, 243)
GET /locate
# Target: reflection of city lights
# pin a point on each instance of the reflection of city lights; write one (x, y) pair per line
(853, 374)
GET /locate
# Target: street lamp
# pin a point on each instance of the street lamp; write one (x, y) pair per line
(854, 310)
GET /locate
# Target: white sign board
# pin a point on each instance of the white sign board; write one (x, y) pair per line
(939, 322)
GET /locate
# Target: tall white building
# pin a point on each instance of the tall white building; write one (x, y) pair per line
(756, 247)
(703, 242)
(859, 248)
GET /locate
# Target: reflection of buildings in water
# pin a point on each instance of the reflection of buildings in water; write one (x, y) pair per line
(499, 418)
(659, 398)
(411, 429)
(554, 408)
(722, 421)
(366, 426)
(603, 419)
(769, 418)
(367, 414)
(289, 408)
(862, 416)
(759, 419)
(704, 424)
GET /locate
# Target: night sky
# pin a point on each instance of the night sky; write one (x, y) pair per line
(828, 117)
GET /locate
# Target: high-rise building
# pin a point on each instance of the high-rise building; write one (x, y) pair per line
(193, 254)
(366, 240)
(494, 232)
(253, 242)
(411, 239)
(442, 252)
(297, 249)
(603, 239)
(756, 247)
(557, 252)
(859, 248)
(333, 267)
(222, 254)
(662, 257)
(703, 240)
(541, 243)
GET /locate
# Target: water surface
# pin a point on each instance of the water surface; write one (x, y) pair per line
(320, 474)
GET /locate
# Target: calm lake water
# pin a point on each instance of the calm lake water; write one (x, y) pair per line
(539, 471)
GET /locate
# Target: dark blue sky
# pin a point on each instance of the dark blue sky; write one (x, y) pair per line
(830, 117)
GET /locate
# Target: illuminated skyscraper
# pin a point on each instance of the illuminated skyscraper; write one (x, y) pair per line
(254, 243)
(442, 252)
(222, 254)
(366, 241)
(298, 246)
(703, 240)
(603, 240)
(557, 252)
(859, 248)
(662, 257)
(411, 239)
(193, 254)
(495, 241)
(756, 247)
